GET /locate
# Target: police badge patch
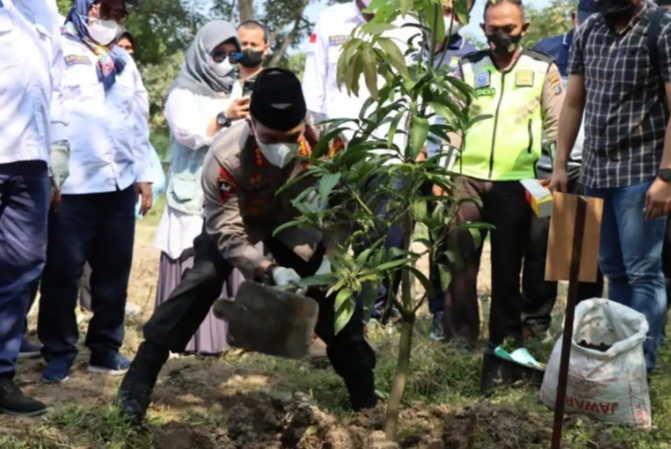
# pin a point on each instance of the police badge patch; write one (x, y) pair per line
(226, 185)
(482, 80)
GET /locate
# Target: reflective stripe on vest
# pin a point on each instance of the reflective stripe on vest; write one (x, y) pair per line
(506, 146)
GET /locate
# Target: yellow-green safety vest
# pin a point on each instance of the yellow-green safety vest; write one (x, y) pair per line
(507, 145)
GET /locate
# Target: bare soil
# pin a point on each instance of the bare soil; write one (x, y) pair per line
(256, 402)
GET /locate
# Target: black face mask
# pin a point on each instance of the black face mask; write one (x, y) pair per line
(614, 11)
(251, 58)
(503, 43)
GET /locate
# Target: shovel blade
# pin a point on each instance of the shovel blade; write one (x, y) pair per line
(267, 320)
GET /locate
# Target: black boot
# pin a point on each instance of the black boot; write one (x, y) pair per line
(362, 393)
(138, 383)
(13, 402)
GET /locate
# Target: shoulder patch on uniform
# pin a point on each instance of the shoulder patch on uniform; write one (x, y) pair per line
(556, 83)
(524, 78)
(71, 60)
(226, 185)
(337, 145)
(539, 56)
(475, 56)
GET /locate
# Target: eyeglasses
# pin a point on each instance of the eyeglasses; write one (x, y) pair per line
(106, 12)
(219, 56)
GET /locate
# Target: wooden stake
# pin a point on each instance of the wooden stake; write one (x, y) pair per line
(579, 231)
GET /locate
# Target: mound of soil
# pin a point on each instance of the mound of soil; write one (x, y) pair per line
(262, 422)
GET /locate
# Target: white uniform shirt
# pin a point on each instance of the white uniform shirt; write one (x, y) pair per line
(188, 115)
(108, 131)
(31, 64)
(322, 94)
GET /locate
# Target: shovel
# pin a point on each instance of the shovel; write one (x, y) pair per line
(268, 320)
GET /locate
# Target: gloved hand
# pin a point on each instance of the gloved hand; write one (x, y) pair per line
(287, 276)
(58, 166)
(324, 268)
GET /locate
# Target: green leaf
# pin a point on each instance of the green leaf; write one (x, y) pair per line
(434, 20)
(477, 237)
(320, 279)
(343, 315)
(370, 71)
(393, 126)
(419, 131)
(394, 263)
(394, 56)
(405, 6)
(368, 297)
(378, 28)
(327, 183)
(445, 276)
(426, 283)
(342, 298)
(287, 225)
(419, 210)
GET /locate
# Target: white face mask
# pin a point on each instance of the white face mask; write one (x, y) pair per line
(277, 154)
(222, 69)
(456, 25)
(102, 31)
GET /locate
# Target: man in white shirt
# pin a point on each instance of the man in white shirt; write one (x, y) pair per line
(31, 113)
(110, 165)
(323, 96)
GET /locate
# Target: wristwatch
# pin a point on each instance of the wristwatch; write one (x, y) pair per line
(223, 120)
(665, 174)
(268, 274)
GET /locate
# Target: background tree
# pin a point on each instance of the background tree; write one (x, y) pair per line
(552, 20)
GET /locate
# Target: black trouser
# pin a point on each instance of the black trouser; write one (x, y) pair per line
(176, 320)
(503, 205)
(98, 228)
(539, 295)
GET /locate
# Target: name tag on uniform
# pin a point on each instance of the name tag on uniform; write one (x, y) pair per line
(524, 78)
(72, 60)
(453, 63)
(338, 40)
(482, 80)
(485, 92)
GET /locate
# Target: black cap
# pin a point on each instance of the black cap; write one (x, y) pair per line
(586, 8)
(277, 100)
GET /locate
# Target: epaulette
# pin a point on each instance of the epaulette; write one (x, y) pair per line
(539, 56)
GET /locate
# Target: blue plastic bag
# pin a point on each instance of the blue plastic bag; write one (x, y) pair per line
(158, 184)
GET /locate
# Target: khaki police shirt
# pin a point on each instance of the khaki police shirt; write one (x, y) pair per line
(241, 205)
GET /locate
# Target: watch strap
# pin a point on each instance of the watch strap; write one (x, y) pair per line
(268, 274)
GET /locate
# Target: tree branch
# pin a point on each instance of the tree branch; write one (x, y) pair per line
(279, 53)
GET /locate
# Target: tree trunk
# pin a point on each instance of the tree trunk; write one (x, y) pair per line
(246, 10)
(291, 37)
(394, 404)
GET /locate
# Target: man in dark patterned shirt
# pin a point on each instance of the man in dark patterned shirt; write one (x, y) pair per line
(627, 153)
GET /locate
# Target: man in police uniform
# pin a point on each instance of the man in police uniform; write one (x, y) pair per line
(522, 92)
(540, 295)
(242, 172)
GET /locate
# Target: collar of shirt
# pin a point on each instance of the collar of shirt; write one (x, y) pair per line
(643, 9)
(456, 42)
(568, 39)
